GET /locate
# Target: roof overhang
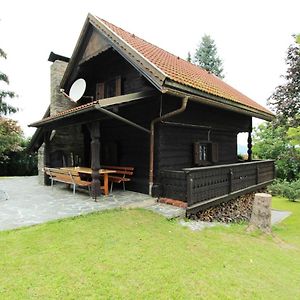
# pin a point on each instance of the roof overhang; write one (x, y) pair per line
(173, 88)
(38, 137)
(93, 106)
(131, 55)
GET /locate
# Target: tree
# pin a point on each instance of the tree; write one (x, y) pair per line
(294, 136)
(206, 56)
(189, 57)
(10, 136)
(273, 142)
(285, 101)
(5, 108)
(14, 159)
(280, 139)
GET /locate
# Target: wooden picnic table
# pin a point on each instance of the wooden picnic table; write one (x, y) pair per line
(86, 170)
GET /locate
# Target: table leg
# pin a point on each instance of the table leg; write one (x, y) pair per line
(105, 178)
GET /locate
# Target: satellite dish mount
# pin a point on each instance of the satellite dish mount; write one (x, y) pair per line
(76, 91)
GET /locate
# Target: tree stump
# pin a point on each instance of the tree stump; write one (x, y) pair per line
(261, 213)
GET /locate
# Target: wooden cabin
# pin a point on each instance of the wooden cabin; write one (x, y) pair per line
(174, 122)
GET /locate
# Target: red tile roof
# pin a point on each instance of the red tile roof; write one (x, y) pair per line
(183, 72)
(67, 112)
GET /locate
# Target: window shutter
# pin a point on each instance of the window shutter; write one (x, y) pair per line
(196, 153)
(118, 86)
(99, 90)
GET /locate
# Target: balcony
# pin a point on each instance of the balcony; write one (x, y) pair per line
(203, 187)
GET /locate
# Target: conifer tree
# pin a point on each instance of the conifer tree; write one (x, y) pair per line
(206, 56)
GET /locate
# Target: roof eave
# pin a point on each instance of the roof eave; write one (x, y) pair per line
(148, 70)
(107, 102)
(31, 147)
(60, 117)
(173, 87)
(130, 54)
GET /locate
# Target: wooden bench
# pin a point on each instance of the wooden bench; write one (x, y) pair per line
(122, 175)
(66, 176)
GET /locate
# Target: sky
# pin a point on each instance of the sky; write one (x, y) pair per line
(252, 38)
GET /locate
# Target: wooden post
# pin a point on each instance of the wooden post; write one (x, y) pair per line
(261, 213)
(94, 129)
(46, 155)
(249, 146)
(189, 181)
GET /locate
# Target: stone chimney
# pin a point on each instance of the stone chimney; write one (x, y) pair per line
(67, 143)
(58, 101)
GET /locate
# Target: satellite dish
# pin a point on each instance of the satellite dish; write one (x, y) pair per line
(77, 89)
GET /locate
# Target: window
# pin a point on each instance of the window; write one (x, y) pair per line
(109, 88)
(205, 153)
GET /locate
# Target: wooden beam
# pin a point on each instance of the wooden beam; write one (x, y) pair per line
(126, 98)
(94, 129)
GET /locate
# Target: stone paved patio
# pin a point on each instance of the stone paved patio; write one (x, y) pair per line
(30, 203)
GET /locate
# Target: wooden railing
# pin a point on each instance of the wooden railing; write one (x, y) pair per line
(206, 184)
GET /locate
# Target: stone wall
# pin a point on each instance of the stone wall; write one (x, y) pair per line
(41, 163)
(70, 142)
(67, 141)
(58, 102)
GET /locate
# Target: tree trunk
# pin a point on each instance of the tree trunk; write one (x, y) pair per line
(261, 213)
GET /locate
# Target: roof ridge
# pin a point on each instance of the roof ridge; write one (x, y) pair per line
(170, 53)
(104, 22)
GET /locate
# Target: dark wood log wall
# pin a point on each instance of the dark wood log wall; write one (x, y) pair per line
(99, 69)
(132, 143)
(176, 146)
(176, 142)
(173, 145)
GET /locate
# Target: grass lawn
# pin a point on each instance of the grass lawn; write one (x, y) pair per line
(136, 254)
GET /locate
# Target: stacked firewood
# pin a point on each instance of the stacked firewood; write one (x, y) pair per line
(236, 210)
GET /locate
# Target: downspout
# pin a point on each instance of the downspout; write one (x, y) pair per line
(161, 118)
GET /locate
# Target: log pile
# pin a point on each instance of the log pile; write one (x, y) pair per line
(233, 211)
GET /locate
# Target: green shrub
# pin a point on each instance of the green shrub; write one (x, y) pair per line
(19, 162)
(290, 190)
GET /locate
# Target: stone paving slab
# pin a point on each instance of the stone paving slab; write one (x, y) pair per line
(30, 203)
(168, 211)
(278, 216)
(200, 225)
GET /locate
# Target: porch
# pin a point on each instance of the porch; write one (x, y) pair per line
(203, 187)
